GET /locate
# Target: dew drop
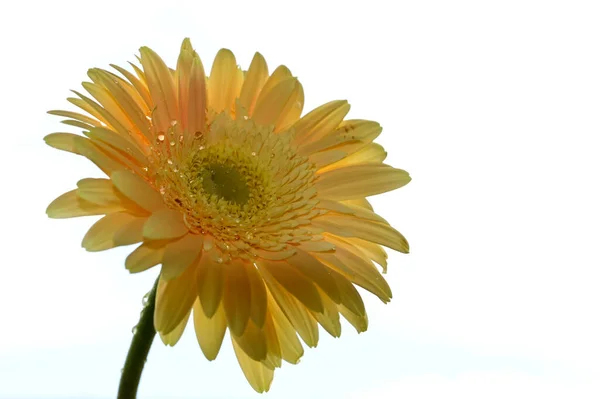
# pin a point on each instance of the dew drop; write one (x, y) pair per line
(201, 147)
(149, 117)
(181, 138)
(246, 117)
(219, 260)
(172, 143)
(169, 162)
(161, 138)
(253, 153)
(134, 329)
(173, 122)
(145, 168)
(162, 190)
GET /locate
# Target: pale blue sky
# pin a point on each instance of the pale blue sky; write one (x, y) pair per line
(491, 106)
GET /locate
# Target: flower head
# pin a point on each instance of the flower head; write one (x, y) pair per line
(257, 215)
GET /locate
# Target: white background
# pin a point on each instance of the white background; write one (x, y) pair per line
(492, 106)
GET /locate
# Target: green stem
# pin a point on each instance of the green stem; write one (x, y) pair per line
(143, 336)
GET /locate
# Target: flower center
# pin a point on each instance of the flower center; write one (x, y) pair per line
(241, 184)
(225, 182)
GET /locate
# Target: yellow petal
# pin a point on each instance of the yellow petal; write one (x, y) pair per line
(277, 102)
(64, 141)
(191, 89)
(255, 79)
(290, 346)
(120, 103)
(131, 233)
(209, 331)
(101, 235)
(351, 299)
(349, 131)
(172, 338)
(139, 86)
(258, 375)
(359, 322)
(162, 89)
(253, 341)
(236, 298)
(371, 250)
(76, 116)
(258, 294)
(348, 226)
(138, 190)
(225, 82)
(359, 181)
(359, 270)
(294, 282)
(273, 358)
(92, 152)
(165, 224)
(371, 153)
(180, 254)
(330, 318)
(174, 299)
(316, 272)
(294, 310)
(145, 256)
(320, 122)
(210, 281)
(116, 141)
(70, 205)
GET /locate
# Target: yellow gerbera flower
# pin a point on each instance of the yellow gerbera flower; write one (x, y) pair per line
(257, 215)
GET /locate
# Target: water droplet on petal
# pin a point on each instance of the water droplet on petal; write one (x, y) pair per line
(161, 138)
(172, 143)
(246, 117)
(169, 162)
(162, 190)
(253, 153)
(173, 122)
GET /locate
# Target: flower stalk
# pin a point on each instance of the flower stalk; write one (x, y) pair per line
(143, 337)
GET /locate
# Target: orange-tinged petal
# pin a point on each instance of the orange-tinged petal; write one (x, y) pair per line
(173, 337)
(256, 77)
(165, 224)
(191, 82)
(131, 233)
(162, 89)
(360, 181)
(101, 235)
(118, 142)
(180, 254)
(70, 205)
(258, 375)
(225, 82)
(76, 116)
(138, 190)
(174, 299)
(209, 331)
(145, 256)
